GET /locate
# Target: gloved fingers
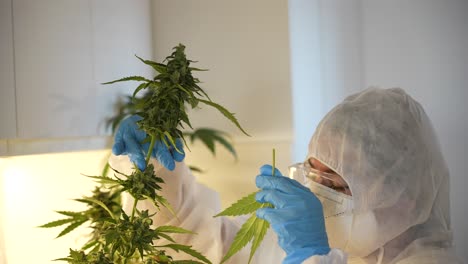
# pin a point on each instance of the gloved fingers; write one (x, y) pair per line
(139, 135)
(163, 155)
(178, 156)
(135, 152)
(292, 206)
(267, 214)
(281, 183)
(133, 119)
(278, 216)
(126, 128)
(276, 198)
(298, 255)
(266, 170)
(293, 229)
(295, 235)
(119, 147)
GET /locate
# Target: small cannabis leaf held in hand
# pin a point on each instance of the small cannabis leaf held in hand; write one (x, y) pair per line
(121, 238)
(254, 229)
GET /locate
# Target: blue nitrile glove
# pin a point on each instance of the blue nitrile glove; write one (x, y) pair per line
(127, 141)
(297, 217)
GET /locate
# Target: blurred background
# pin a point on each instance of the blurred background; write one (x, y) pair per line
(279, 65)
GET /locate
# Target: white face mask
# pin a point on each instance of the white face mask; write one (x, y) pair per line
(355, 234)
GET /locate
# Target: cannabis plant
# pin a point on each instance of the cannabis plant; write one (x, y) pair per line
(121, 237)
(209, 137)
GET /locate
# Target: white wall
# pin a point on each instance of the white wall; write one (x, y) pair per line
(306, 79)
(244, 44)
(419, 45)
(32, 188)
(7, 75)
(325, 39)
(422, 46)
(245, 47)
(54, 57)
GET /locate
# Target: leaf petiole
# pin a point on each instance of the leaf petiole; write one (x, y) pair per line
(150, 149)
(134, 209)
(274, 163)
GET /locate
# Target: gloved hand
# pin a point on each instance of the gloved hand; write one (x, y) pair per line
(127, 141)
(297, 217)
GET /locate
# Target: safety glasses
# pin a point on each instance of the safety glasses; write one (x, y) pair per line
(304, 174)
(324, 186)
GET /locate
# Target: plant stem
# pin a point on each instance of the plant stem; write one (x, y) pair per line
(150, 150)
(133, 209)
(274, 161)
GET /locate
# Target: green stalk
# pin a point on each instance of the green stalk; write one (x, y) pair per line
(150, 150)
(148, 156)
(274, 161)
(133, 209)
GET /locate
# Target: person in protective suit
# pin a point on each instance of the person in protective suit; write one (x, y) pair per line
(374, 188)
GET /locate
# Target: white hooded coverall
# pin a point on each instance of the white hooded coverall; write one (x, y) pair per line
(383, 145)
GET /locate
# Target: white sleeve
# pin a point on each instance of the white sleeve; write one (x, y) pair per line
(335, 256)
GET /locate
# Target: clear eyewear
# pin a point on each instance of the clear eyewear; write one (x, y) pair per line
(334, 203)
(304, 173)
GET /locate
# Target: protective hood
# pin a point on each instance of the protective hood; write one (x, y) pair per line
(383, 144)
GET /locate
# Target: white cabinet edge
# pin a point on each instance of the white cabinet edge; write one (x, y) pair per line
(40, 146)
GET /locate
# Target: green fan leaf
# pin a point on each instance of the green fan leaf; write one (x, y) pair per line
(188, 250)
(242, 238)
(245, 205)
(103, 179)
(130, 78)
(69, 213)
(225, 112)
(57, 223)
(197, 69)
(106, 168)
(90, 244)
(209, 137)
(72, 227)
(195, 169)
(173, 229)
(159, 67)
(260, 232)
(227, 145)
(254, 229)
(139, 88)
(92, 200)
(169, 238)
(69, 260)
